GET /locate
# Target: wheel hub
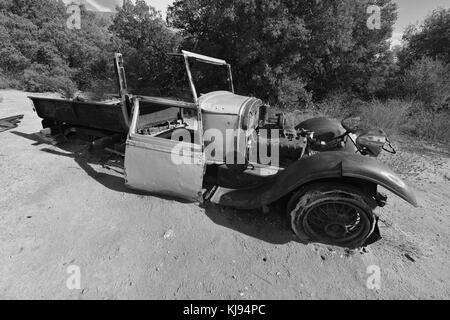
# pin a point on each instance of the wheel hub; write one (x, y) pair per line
(336, 230)
(335, 221)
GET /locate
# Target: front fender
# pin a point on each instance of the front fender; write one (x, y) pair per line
(322, 166)
(374, 171)
(335, 165)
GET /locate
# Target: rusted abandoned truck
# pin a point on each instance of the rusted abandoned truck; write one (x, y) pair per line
(325, 173)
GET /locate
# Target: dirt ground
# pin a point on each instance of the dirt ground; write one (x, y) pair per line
(58, 210)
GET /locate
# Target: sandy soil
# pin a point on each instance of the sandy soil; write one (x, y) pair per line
(58, 210)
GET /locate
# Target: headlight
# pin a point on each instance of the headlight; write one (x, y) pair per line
(373, 141)
(370, 140)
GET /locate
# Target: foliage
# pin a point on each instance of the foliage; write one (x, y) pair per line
(428, 80)
(41, 78)
(390, 115)
(424, 62)
(322, 46)
(298, 55)
(45, 54)
(339, 105)
(431, 126)
(145, 44)
(430, 39)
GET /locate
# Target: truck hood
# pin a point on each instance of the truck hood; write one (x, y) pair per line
(223, 102)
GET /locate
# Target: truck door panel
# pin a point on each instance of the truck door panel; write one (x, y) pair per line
(151, 166)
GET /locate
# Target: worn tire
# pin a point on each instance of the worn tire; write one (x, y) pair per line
(332, 213)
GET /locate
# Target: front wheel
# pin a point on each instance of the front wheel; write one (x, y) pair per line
(334, 214)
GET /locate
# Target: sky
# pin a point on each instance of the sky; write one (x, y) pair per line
(109, 5)
(413, 11)
(409, 11)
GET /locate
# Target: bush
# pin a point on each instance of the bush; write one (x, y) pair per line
(394, 116)
(339, 105)
(407, 117)
(429, 126)
(428, 80)
(40, 78)
(12, 60)
(4, 83)
(292, 94)
(390, 115)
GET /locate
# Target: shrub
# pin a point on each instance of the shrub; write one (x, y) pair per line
(12, 60)
(407, 117)
(390, 115)
(428, 80)
(429, 126)
(4, 83)
(339, 105)
(292, 94)
(40, 78)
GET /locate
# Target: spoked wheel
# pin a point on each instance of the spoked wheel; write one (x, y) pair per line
(331, 214)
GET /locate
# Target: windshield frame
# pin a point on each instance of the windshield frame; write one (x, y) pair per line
(208, 60)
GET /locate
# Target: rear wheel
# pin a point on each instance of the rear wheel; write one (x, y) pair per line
(335, 214)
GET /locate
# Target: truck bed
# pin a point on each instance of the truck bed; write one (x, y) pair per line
(105, 116)
(95, 115)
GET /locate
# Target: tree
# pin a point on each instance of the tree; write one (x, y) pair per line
(289, 47)
(39, 50)
(259, 39)
(430, 39)
(424, 62)
(145, 42)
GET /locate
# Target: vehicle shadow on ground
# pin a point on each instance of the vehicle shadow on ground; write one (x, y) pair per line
(31, 137)
(86, 159)
(272, 227)
(79, 152)
(113, 182)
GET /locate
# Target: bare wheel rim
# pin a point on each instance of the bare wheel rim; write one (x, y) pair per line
(336, 221)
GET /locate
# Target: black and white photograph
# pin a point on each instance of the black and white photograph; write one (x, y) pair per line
(223, 154)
